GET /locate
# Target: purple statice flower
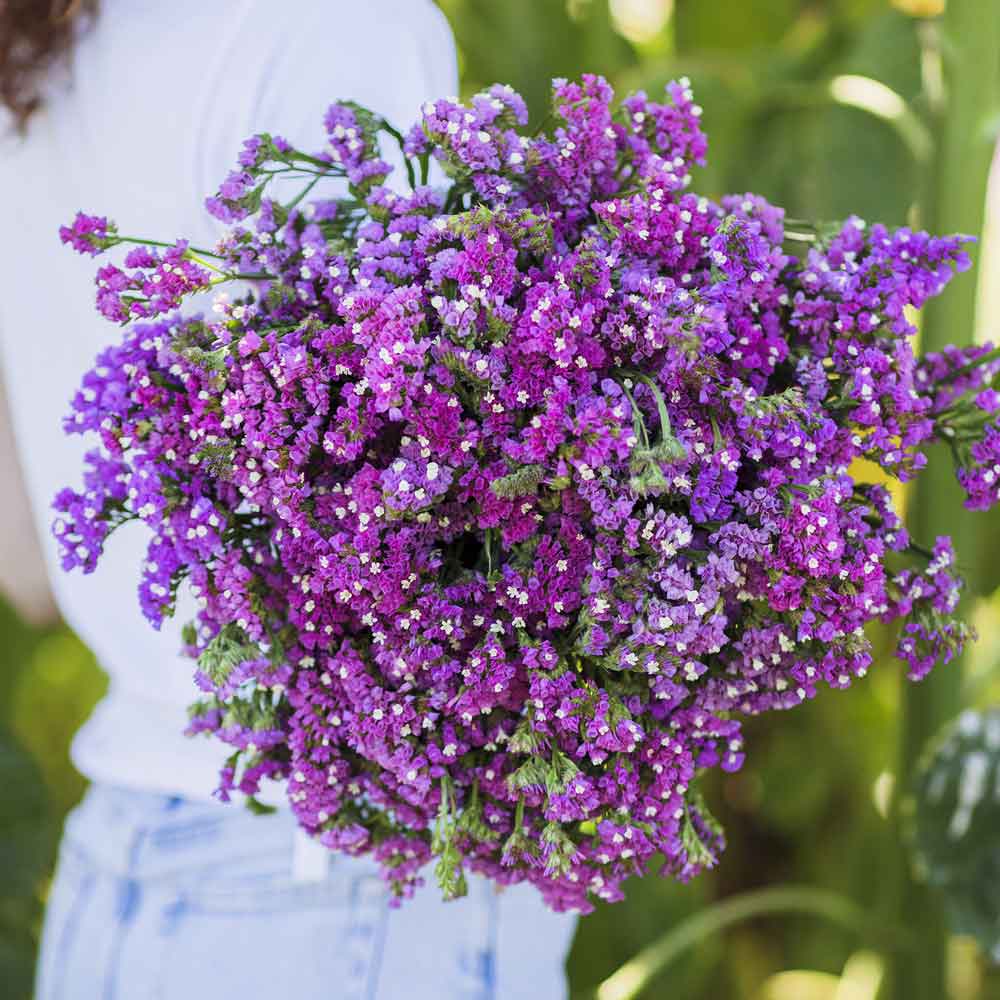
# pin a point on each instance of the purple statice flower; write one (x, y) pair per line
(504, 503)
(981, 477)
(89, 234)
(928, 600)
(350, 143)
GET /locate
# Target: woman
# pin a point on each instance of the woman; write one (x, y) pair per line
(161, 892)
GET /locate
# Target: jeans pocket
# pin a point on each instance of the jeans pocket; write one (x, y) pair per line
(276, 938)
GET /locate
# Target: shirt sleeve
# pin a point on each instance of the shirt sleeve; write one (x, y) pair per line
(283, 66)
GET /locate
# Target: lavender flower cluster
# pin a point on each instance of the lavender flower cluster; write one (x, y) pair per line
(504, 502)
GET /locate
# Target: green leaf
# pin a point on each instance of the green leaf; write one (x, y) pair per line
(524, 739)
(952, 816)
(562, 851)
(470, 820)
(561, 772)
(519, 846)
(533, 773)
(633, 978)
(698, 851)
(226, 651)
(259, 808)
(448, 870)
(522, 482)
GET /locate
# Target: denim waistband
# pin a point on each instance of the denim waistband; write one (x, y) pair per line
(153, 865)
(147, 835)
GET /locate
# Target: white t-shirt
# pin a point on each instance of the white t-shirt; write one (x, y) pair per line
(162, 96)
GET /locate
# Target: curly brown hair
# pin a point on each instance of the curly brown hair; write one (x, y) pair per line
(35, 36)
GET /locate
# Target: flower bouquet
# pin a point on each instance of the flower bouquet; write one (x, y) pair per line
(503, 501)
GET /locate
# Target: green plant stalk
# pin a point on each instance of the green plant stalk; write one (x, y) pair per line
(965, 44)
(629, 981)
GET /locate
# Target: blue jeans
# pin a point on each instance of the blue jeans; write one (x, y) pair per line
(159, 898)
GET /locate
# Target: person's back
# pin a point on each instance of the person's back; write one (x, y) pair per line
(161, 97)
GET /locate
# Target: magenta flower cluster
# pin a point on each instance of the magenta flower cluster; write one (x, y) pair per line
(504, 502)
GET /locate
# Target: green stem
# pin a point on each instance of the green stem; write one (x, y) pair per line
(639, 972)
(489, 552)
(519, 815)
(401, 142)
(201, 262)
(795, 237)
(983, 359)
(226, 276)
(661, 407)
(332, 169)
(136, 241)
(303, 193)
(966, 43)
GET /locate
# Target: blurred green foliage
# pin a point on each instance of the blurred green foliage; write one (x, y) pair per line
(802, 104)
(953, 821)
(810, 806)
(48, 684)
